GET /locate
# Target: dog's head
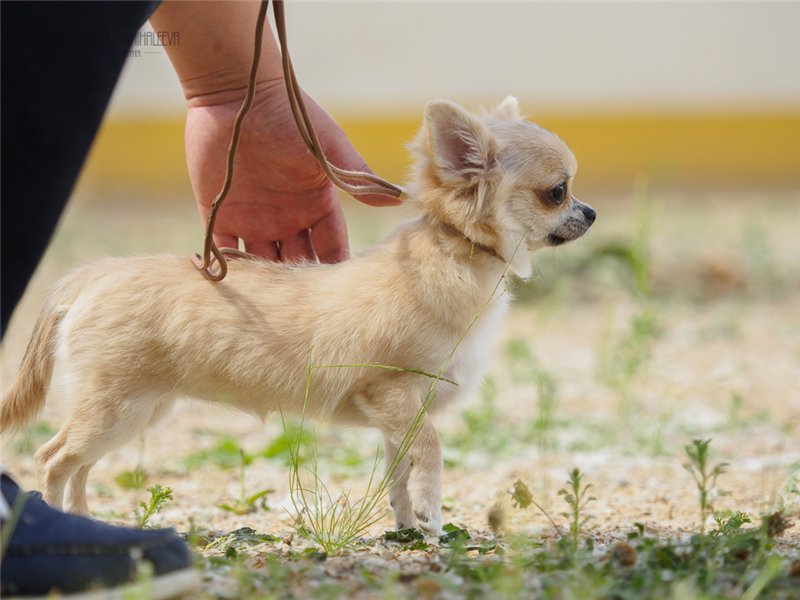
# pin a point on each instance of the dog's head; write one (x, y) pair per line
(503, 182)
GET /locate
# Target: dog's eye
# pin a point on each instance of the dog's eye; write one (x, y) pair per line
(558, 193)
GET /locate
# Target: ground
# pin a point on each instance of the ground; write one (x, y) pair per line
(675, 319)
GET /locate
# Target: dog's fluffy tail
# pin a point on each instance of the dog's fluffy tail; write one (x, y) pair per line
(25, 398)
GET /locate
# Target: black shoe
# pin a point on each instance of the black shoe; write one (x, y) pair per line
(51, 551)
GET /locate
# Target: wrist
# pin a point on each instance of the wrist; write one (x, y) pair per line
(220, 89)
(214, 57)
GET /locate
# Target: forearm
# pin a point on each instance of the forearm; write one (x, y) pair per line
(216, 48)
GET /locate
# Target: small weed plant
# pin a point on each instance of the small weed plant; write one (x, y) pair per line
(624, 359)
(159, 497)
(225, 454)
(633, 255)
(481, 423)
(293, 444)
(134, 479)
(246, 503)
(521, 497)
(704, 475)
(577, 497)
(525, 368)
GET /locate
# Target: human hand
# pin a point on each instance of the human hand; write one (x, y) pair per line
(281, 204)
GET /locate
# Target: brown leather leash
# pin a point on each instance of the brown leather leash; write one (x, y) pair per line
(371, 184)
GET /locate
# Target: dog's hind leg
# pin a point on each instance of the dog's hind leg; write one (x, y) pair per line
(101, 424)
(54, 468)
(76, 491)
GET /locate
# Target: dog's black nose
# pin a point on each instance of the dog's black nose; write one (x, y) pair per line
(589, 213)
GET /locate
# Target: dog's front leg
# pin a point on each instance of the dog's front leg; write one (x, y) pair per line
(425, 477)
(396, 412)
(397, 471)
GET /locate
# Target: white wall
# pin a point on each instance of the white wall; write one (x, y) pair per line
(357, 57)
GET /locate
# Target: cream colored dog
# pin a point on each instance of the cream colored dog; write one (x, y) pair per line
(133, 334)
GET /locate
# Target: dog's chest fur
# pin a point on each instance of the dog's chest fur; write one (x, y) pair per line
(471, 358)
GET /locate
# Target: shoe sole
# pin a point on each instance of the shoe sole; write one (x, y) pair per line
(170, 585)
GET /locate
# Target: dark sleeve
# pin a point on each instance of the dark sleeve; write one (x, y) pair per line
(60, 63)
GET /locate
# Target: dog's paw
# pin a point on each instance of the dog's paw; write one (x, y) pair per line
(403, 513)
(430, 521)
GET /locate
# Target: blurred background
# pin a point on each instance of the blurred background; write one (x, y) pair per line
(705, 95)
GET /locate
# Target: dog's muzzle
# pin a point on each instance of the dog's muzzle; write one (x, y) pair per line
(580, 219)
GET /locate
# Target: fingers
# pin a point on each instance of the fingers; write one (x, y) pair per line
(297, 248)
(301, 248)
(341, 152)
(223, 240)
(268, 250)
(359, 164)
(329, 238)
(377, 199)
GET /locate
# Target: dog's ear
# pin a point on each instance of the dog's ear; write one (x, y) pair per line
(461, 146)
(508, 109)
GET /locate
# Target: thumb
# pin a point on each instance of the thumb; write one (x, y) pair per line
(341, 153)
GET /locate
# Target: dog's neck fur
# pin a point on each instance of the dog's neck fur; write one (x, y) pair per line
(452, 230)
(458, 277)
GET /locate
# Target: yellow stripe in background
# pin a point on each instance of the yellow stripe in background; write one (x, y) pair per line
(677, 150)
